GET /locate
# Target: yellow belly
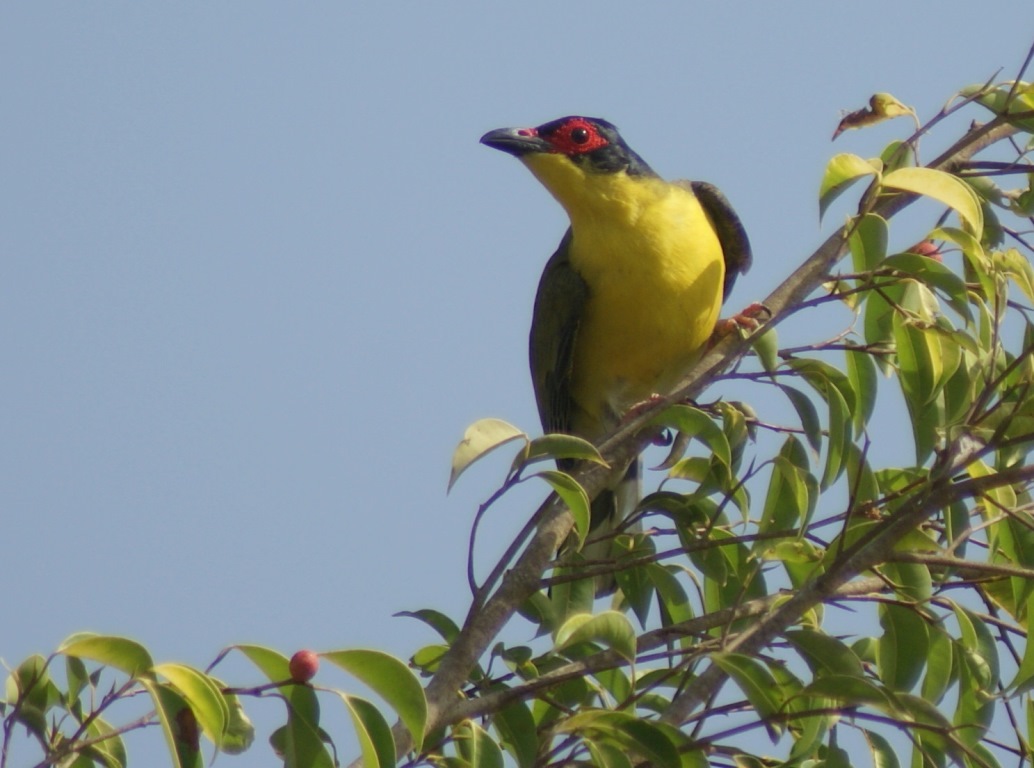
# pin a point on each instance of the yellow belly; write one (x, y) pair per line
(655, 291)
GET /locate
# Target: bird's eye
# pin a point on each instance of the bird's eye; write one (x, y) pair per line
(579, 135)
(573, 136)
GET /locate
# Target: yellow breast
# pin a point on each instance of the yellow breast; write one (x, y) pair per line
(655, 270)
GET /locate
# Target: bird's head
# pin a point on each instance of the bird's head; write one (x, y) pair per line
(570, 155)
(592, 144)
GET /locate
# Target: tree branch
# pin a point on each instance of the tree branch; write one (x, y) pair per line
(869, 551)
(492, 702)
(484, 621)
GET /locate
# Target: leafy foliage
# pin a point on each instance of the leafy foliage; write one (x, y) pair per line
(787, 596)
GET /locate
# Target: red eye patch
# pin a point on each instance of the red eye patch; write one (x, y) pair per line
(576, 137)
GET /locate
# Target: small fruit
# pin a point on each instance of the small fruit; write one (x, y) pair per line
(303, 666)
(927, 248)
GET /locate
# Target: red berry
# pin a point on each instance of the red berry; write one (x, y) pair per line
(927, 248)
(303, 666)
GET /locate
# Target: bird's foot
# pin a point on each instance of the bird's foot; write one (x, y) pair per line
(747, 320)
(661, 438)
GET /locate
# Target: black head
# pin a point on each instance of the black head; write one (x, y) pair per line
(589, 142)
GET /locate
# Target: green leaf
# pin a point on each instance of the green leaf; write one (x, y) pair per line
(437, 621)
(302, 742)
(428, 658)
(918, 583)
(1014, 104)
(883, 755)
(841, 172)
(606, 755)
(559, 446)
(959, 390)
(1030, 715)
(953, 346)
(1022, 202)
(878, 318)
(1023, 681)
(978, 265)
(860, 477)
(824, 654)
(902, 648)
(476, 747)
(31, 687)
(868, 242)
(733, 574)
(936, 276)
(861, 372)
(799, 557)
(373, 732)
(820, 375)
(671, 597)
(178, 724)
(808, 415)
(202, 695)
(636, 588)
(610, 629)
(694, 423)
(240, 733)
(912, 581)
(1019, 270)
(980, 650)
(574, 496)
(839, 440)
(927, 427)
(942, 187)
(852, 692)
(651, 742)
(481, 438)
(390, 679)
(758, 685)
(898, 154)
(790, 498)
(108, 748)
(735, 417)
(1003, 497)
(77, 676)
(712, 476)
(808, 730)
(568, 598)
(273, 665)
(919, 363)
(516, 729)
(936, 740)
(974, 708)
(118, 652)
(766, 347)
(884, 107)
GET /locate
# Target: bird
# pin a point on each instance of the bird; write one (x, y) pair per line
(631, 296)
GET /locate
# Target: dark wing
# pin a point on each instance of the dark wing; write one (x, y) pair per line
(729, 228)
(559, 305)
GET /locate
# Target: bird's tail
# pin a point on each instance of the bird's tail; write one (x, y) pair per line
(609, 510)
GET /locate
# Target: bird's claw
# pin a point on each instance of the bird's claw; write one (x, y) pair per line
(747, 320)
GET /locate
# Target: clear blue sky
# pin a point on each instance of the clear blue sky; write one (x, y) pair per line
(258, 275)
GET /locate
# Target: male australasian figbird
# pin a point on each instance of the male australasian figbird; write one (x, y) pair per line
(630, 298)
